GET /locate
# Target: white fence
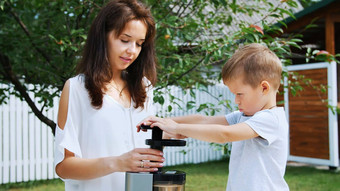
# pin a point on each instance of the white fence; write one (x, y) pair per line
(26, 144)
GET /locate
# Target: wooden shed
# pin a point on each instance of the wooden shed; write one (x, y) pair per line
(314, 128)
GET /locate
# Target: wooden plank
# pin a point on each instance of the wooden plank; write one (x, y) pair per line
(25, 142)
(310, 143)
(311, 146)
(309, 95)
(32, 137)
(50, 145)
(311, 71)
(12, 132)
(311, 108)
(6, 145)
(43, 151)
(310, 152)
(309, 135)
(300, 128)
(38, 146)
(19, 135)
(330, 35)
(317, 143)
(305, 103)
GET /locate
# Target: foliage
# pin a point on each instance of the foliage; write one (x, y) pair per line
(195, 38)
(41, 41)
(307, 3)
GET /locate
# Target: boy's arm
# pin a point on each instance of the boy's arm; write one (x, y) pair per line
(201, 119)
(206, 132)
(217, 133)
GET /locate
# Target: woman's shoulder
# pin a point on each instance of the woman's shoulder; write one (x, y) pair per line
(78, 79)
(77, 83)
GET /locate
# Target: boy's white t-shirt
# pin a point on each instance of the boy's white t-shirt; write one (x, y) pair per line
(259, 164)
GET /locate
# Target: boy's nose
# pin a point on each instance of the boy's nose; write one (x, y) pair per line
(237, 101)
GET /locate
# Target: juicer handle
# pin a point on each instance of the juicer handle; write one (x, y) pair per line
(157, 133)
(145, 127)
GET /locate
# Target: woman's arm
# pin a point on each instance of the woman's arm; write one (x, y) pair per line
(81, 169)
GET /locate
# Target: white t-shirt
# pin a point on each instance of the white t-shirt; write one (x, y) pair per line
(92, 133)
(259, 164)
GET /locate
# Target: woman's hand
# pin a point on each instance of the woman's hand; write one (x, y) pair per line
(141, 160)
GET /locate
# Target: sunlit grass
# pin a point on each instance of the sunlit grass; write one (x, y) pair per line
(213, 176)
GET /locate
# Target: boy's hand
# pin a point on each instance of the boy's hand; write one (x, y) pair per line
(167, 125)
(143, 122)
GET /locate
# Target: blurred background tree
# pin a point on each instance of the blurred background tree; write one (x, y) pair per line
(41, 42)
(307, 3)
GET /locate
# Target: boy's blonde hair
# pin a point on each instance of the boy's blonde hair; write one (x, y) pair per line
(255, 62)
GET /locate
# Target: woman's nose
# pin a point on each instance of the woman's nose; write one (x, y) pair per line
(132, 48)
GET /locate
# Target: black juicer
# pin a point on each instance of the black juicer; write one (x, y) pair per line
(161, 180)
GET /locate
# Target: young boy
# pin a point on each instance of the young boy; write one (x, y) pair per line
(258, 130)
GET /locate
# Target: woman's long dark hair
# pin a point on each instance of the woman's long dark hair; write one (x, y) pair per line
(94, 63)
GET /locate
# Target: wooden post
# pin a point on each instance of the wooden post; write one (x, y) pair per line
(330, 37)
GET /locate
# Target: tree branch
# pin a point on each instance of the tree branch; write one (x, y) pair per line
(183, 74)
(267, 15)
(27, 32)
(9, 74)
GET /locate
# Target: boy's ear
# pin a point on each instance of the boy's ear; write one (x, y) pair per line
(265, 86)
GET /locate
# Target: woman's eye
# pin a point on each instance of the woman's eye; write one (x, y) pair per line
(125, 41)
(139, 45)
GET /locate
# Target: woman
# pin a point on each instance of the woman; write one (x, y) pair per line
(96, 141)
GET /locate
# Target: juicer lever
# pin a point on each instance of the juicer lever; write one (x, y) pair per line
(157, 133)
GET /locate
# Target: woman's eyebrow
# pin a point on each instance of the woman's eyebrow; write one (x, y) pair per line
(131, 36)
(127, 35)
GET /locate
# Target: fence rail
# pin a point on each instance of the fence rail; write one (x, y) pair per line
(26, 144)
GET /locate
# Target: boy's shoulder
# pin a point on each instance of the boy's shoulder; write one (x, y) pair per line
(273, 112)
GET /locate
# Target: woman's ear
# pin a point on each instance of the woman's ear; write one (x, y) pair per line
(265, 86)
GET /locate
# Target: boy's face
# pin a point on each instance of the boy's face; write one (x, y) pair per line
(249, 100)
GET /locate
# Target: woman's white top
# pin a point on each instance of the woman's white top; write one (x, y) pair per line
(91, 133)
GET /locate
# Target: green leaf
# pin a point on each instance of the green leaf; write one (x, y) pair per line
(190, 105)
(169, 108)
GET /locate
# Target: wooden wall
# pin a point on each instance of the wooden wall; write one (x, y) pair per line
(308, 117)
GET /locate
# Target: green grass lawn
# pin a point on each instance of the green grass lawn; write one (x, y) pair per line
(213, 176)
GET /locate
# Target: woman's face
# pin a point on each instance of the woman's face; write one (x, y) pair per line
(124, 49)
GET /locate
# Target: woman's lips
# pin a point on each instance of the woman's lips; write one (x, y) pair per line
(126, 59)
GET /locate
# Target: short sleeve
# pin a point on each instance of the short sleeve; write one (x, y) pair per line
(233, 118)
(68, 137)
(266, 125)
